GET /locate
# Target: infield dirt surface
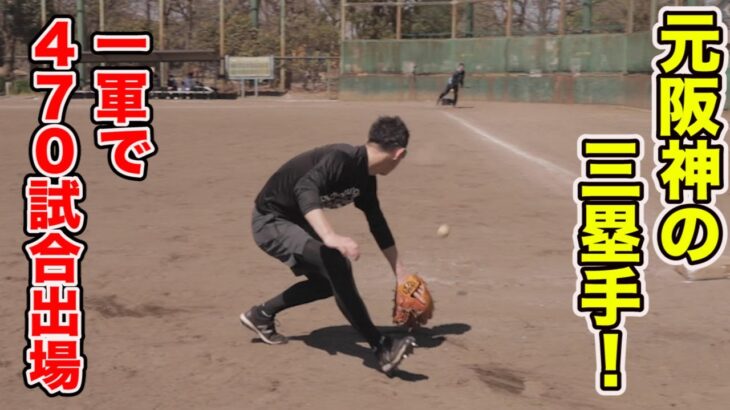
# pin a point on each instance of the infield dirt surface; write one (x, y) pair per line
(171, 263)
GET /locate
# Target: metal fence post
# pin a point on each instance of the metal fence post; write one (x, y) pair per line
(453, 19)
(81, 37)
(470, 19)
(222, 36)
(630, 17)
(282, 24)
(398, 20)
(508, 23)
(587, 15)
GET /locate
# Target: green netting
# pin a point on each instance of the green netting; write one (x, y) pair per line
(587, 53)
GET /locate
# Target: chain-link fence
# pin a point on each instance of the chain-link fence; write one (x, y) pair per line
(401, 19)
(314, 75)
(398, 19)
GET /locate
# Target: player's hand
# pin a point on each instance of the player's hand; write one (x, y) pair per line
(401, 277)
(419, 294)
(401, 274)
(347, 246)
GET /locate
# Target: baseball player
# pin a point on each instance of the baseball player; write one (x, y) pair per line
(289, 224)
(456, 79)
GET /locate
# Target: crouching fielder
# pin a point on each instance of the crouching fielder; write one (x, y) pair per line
(289, 225)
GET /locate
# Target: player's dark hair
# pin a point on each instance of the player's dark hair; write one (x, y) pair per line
(389, 133)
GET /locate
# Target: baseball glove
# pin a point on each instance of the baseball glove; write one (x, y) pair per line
(413, 303)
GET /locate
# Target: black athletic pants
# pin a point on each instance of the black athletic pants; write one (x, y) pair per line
(328, 273)
(450, 87)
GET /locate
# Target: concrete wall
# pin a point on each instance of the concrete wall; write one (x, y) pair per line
(598, 68)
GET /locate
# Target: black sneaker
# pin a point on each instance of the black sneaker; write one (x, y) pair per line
(391, 352)
(263, 326)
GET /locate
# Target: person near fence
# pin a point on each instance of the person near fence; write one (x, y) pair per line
(456, 80)
(171, 84)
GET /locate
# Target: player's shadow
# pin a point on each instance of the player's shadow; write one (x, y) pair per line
(345, 340)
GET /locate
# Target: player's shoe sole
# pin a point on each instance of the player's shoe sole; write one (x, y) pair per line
(269, 337)
(399, 351)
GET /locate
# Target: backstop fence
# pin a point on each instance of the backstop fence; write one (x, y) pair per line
(566, 51)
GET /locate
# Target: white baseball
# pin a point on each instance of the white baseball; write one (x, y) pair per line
(443, 231)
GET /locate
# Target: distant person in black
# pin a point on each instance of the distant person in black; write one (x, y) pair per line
(172, 84)
(289, 224)
(456, 79)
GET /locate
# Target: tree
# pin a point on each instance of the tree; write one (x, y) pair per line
(427, 21)
(19, 23)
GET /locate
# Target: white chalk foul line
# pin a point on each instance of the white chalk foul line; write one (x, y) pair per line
(554, 168)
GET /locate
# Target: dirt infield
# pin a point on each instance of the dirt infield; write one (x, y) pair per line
(171, 263)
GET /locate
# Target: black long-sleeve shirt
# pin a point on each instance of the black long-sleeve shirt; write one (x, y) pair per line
(457, 78)
(331, 176)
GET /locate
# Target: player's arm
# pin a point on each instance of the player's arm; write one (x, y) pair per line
(307, 191)
(369, 204)
(381, 232)
(399, 270)
(347, 246)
